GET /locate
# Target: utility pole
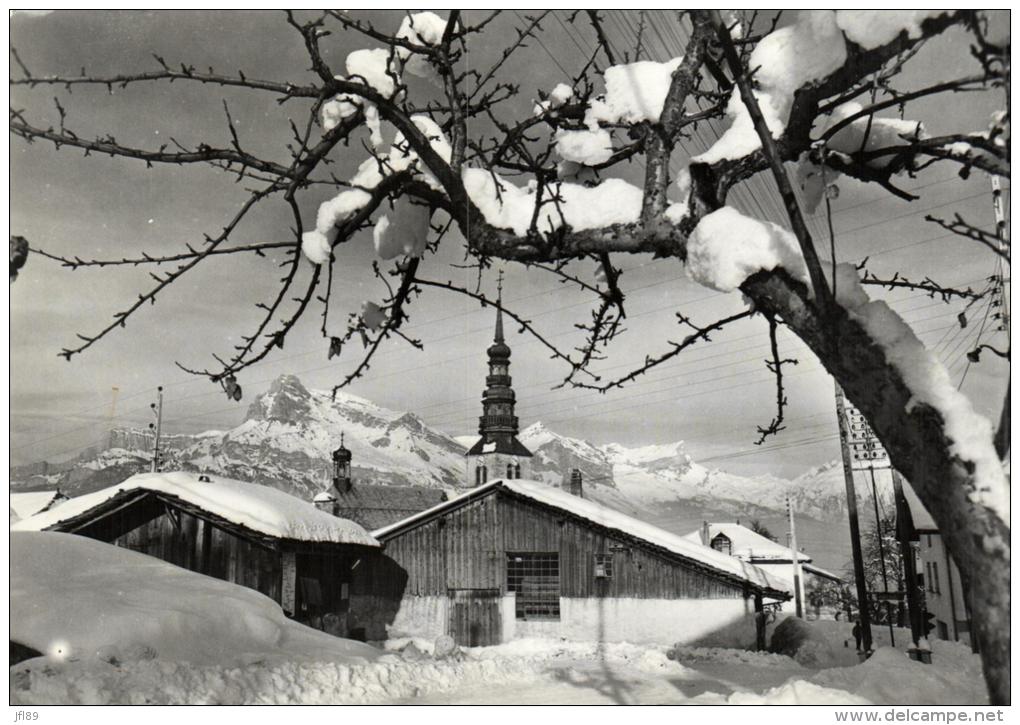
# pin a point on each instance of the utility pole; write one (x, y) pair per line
(795, 559)
(864, 618)
(881, 558)
(157, 409)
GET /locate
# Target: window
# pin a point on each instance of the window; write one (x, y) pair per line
(535, 579)
(935, 577)
(927, 576)
(603, 566)
(509, 470)
(722, 543)
(481, 475)
(517, 470)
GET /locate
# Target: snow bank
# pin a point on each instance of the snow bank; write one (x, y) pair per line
(635, 92)
(507, 206)
(889, 675)
(259, 508)
(727, 247)
(80, 601)
(969, 433)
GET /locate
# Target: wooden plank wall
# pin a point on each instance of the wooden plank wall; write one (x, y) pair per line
(207, 549)
(466, 549)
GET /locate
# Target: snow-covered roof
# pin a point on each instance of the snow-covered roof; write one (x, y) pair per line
(746, 544)
(259, 508)
(819, 571)
(601, 515)
(28, 504)
(918, 513)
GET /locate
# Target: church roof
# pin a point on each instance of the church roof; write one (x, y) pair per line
(511, 447)
(375, 506)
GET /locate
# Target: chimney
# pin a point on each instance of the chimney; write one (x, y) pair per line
(705, 533)
(574, 485)
(326, 502)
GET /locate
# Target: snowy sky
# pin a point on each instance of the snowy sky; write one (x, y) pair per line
(712, 397)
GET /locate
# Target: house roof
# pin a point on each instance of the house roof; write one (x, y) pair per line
(746, 544)
(376, 506)
(595, 513)
(29, 504)
(261, 509)
(824, 573)
(923, 522)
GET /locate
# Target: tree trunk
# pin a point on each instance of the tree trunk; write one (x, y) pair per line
(914, 436)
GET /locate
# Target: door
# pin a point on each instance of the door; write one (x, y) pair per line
(474, 617)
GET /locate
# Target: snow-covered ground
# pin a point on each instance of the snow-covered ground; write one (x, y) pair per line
(118, 627)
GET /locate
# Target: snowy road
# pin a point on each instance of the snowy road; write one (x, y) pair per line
(583, 682)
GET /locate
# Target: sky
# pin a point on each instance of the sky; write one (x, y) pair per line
(712, 397)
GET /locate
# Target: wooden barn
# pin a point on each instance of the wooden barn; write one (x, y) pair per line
(243, 533)
(517, 558)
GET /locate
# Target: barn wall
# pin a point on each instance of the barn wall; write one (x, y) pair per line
(206, 549)
(648, 598)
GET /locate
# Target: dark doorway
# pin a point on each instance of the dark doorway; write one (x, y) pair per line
(474, 617)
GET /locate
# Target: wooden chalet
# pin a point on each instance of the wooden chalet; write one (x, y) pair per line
(244, 533)
(517, 558)
(770, 556)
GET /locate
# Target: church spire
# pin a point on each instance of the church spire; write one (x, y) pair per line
(499, 309)
(498, 424)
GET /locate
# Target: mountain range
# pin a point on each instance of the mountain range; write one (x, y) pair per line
(289, 432)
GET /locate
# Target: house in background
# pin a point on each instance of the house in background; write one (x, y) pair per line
(28, 504)
(371, 506)
(515, 558)
(252, 535)
(944, 596)
(743, 543)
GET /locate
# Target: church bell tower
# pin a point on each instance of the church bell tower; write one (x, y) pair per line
(498, 453)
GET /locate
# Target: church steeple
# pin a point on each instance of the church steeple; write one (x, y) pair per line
(498, 425)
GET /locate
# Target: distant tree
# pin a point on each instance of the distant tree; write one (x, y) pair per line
(762, 530)
(545, 189)
(878, 545)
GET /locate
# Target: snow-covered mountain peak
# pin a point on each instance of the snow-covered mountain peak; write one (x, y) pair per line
(287, 400)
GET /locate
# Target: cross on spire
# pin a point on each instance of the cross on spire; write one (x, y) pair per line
(499, 308)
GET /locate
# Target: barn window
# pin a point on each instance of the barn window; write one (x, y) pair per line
(603, 566)
(535, 579)
(722, 543)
